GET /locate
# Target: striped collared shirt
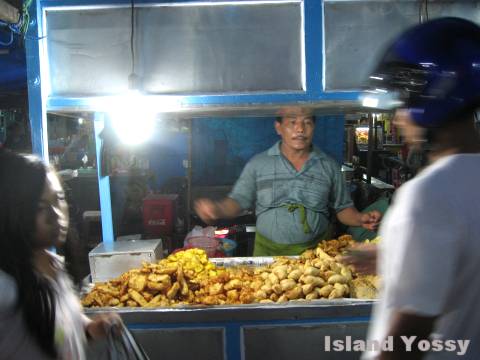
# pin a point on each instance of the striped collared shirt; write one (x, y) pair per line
(272, 183)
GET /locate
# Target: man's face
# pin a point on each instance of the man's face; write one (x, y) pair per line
(296, 131)
(413, 134)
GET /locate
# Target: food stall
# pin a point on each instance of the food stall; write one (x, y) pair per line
(226, 307)
(187, 60)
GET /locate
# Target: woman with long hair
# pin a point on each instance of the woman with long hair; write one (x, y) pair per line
(40, 315)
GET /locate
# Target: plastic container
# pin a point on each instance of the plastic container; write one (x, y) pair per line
(209, 244)
(228, 246)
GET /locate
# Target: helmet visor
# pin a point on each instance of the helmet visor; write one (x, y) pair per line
(395, 85)
(381, 99)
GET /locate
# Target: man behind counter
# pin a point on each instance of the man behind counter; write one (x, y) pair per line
(293, 186)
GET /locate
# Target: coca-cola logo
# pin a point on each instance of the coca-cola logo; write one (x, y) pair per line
(157, 222)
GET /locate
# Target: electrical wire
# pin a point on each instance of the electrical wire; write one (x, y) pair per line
(25, 18)
(423, 10)
(9, 42)
(132, 32)
(420, 5)
(21, 27)
(12, 29)
(24, 22)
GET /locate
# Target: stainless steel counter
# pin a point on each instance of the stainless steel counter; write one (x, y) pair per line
(294, 330)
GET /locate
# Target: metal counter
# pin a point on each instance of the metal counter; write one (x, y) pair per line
(294, 330)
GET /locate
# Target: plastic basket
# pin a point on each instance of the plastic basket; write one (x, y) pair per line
(208, 244)
(228, 246)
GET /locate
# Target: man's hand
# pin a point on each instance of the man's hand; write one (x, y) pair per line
(99, 327)
(352, 217)
(371, 219)
(208, 210)
(363, 258)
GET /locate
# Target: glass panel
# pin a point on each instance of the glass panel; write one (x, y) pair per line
(179, 48)
(227, 48)
(356, 31)
(154, 167)
(88, 51)
(135, 172)
(71, 148)
(15, 130)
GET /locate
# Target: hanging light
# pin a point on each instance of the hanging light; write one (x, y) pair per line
(131, 114)
(133, 119)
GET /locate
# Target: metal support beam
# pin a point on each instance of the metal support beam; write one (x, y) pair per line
(36, 88)
(103, 185)
(371, 124)
(8, 13)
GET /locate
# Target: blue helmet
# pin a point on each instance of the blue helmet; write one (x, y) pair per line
(432, 69)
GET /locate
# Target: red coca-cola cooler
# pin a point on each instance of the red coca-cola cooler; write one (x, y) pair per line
(159, 214)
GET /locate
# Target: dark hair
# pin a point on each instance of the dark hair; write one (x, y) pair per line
(280, 118)
(22, 181)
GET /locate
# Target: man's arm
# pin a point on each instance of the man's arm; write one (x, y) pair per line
(210, 211)
(405, 327)
(352, 217)
(240, 198)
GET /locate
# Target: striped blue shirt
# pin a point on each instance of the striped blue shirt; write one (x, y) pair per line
(271, 182)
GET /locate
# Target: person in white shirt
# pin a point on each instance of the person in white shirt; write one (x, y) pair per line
(40, 314)
(429, 255)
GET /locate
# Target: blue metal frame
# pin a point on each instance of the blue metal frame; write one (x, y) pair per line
(36, 100)
(103, 185)
(38, 81)
(233, 330)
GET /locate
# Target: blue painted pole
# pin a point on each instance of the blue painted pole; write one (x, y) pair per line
(103, 185)
(36, 98)
(233, 342)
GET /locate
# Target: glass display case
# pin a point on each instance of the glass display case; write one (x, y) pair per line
(362, 134)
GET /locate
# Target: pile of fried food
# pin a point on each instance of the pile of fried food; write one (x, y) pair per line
(189, 278)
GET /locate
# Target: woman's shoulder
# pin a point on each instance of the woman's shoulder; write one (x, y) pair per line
(9, 291)
(57, 261)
